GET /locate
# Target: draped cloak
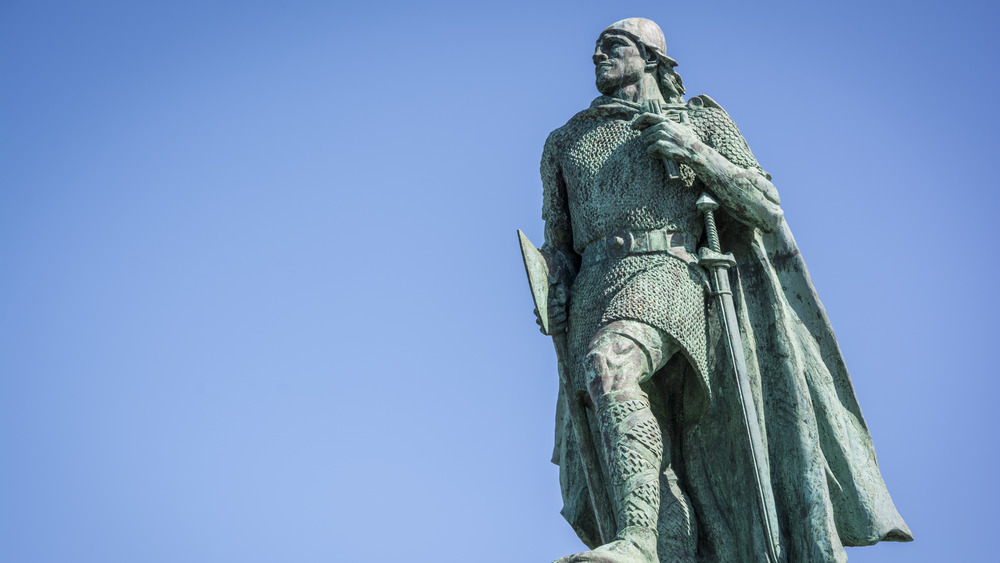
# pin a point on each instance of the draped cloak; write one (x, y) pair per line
(822, 472)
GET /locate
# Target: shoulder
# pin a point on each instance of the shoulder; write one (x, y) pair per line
(559, 136)
(603, 109)
(579, 121)
(708, 114)
(703, 101)
(557, 142)
(719, 131)
(554, 144)
(565, 135)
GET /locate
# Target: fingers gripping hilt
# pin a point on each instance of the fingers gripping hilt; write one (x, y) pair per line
(673, 171)
(707, 206)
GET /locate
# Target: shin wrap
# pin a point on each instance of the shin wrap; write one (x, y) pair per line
(634, 449)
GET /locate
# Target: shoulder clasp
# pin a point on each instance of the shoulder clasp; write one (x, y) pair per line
(703, 101)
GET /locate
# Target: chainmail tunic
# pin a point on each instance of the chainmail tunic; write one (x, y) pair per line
(821, 465)
(599, 179)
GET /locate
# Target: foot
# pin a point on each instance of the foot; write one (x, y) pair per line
(635, 546)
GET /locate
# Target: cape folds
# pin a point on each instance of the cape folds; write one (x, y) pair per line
(823, 472)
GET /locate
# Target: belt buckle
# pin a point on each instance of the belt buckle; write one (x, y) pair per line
(619, 244)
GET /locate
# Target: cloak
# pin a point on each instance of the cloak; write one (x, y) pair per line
(827, 488)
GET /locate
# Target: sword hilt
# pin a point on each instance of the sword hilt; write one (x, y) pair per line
(673, 171)
(707, 206)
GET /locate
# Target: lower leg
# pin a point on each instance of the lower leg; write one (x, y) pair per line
(632, 446)
(634, 449)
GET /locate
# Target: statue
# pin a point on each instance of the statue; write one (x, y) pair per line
(706, 413)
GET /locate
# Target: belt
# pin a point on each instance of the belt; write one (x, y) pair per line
(622, 243)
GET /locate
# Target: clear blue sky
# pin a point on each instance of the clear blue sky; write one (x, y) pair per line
(261, 298)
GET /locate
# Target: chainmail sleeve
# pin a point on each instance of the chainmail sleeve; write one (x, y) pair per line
(745, 189)
(555, 207)
(724, 136)
(558, 248)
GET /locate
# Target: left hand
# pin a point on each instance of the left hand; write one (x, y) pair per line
(665, 138)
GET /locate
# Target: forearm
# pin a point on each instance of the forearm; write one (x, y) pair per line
(562, 260)
(563, 265)
(746, 193)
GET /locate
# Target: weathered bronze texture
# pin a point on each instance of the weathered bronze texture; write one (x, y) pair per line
(705, 411)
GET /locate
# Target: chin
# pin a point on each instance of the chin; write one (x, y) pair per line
(607, 87)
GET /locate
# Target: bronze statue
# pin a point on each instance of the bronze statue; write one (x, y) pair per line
(706, 412)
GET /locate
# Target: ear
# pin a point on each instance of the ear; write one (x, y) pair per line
(651, 61)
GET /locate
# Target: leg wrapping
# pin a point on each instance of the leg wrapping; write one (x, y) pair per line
(634, 447)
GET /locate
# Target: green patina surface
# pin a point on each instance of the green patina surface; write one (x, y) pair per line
(706, 413)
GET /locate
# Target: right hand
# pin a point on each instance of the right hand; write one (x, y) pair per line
(558, 299)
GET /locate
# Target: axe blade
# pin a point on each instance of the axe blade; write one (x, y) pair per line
(537, 270)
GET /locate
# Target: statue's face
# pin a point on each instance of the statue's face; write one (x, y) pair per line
(618, 62)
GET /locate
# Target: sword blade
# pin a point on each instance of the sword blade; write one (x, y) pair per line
(737, 363)
(718, 265)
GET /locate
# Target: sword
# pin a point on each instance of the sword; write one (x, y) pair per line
(674, 112)
(718, 264)
(537, 269)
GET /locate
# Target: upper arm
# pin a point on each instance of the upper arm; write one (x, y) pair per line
(558, 246)
(555, 203)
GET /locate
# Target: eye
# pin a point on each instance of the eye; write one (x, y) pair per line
(612, 42)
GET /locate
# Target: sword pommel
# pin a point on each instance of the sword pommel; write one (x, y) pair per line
(706, 203)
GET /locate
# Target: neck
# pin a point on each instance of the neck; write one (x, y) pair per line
(638, 92)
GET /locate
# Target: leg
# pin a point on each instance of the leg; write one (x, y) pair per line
(618, 359)
(678, 541)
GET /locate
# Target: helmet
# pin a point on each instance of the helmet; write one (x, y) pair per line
(646, 32)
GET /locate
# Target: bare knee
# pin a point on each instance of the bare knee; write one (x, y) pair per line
(613, 363)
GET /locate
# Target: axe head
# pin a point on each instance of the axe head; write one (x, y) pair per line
(538, 278)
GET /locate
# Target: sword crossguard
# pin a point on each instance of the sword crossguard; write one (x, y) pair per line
(709, 258)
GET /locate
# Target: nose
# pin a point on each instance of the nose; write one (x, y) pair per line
(598, 55)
